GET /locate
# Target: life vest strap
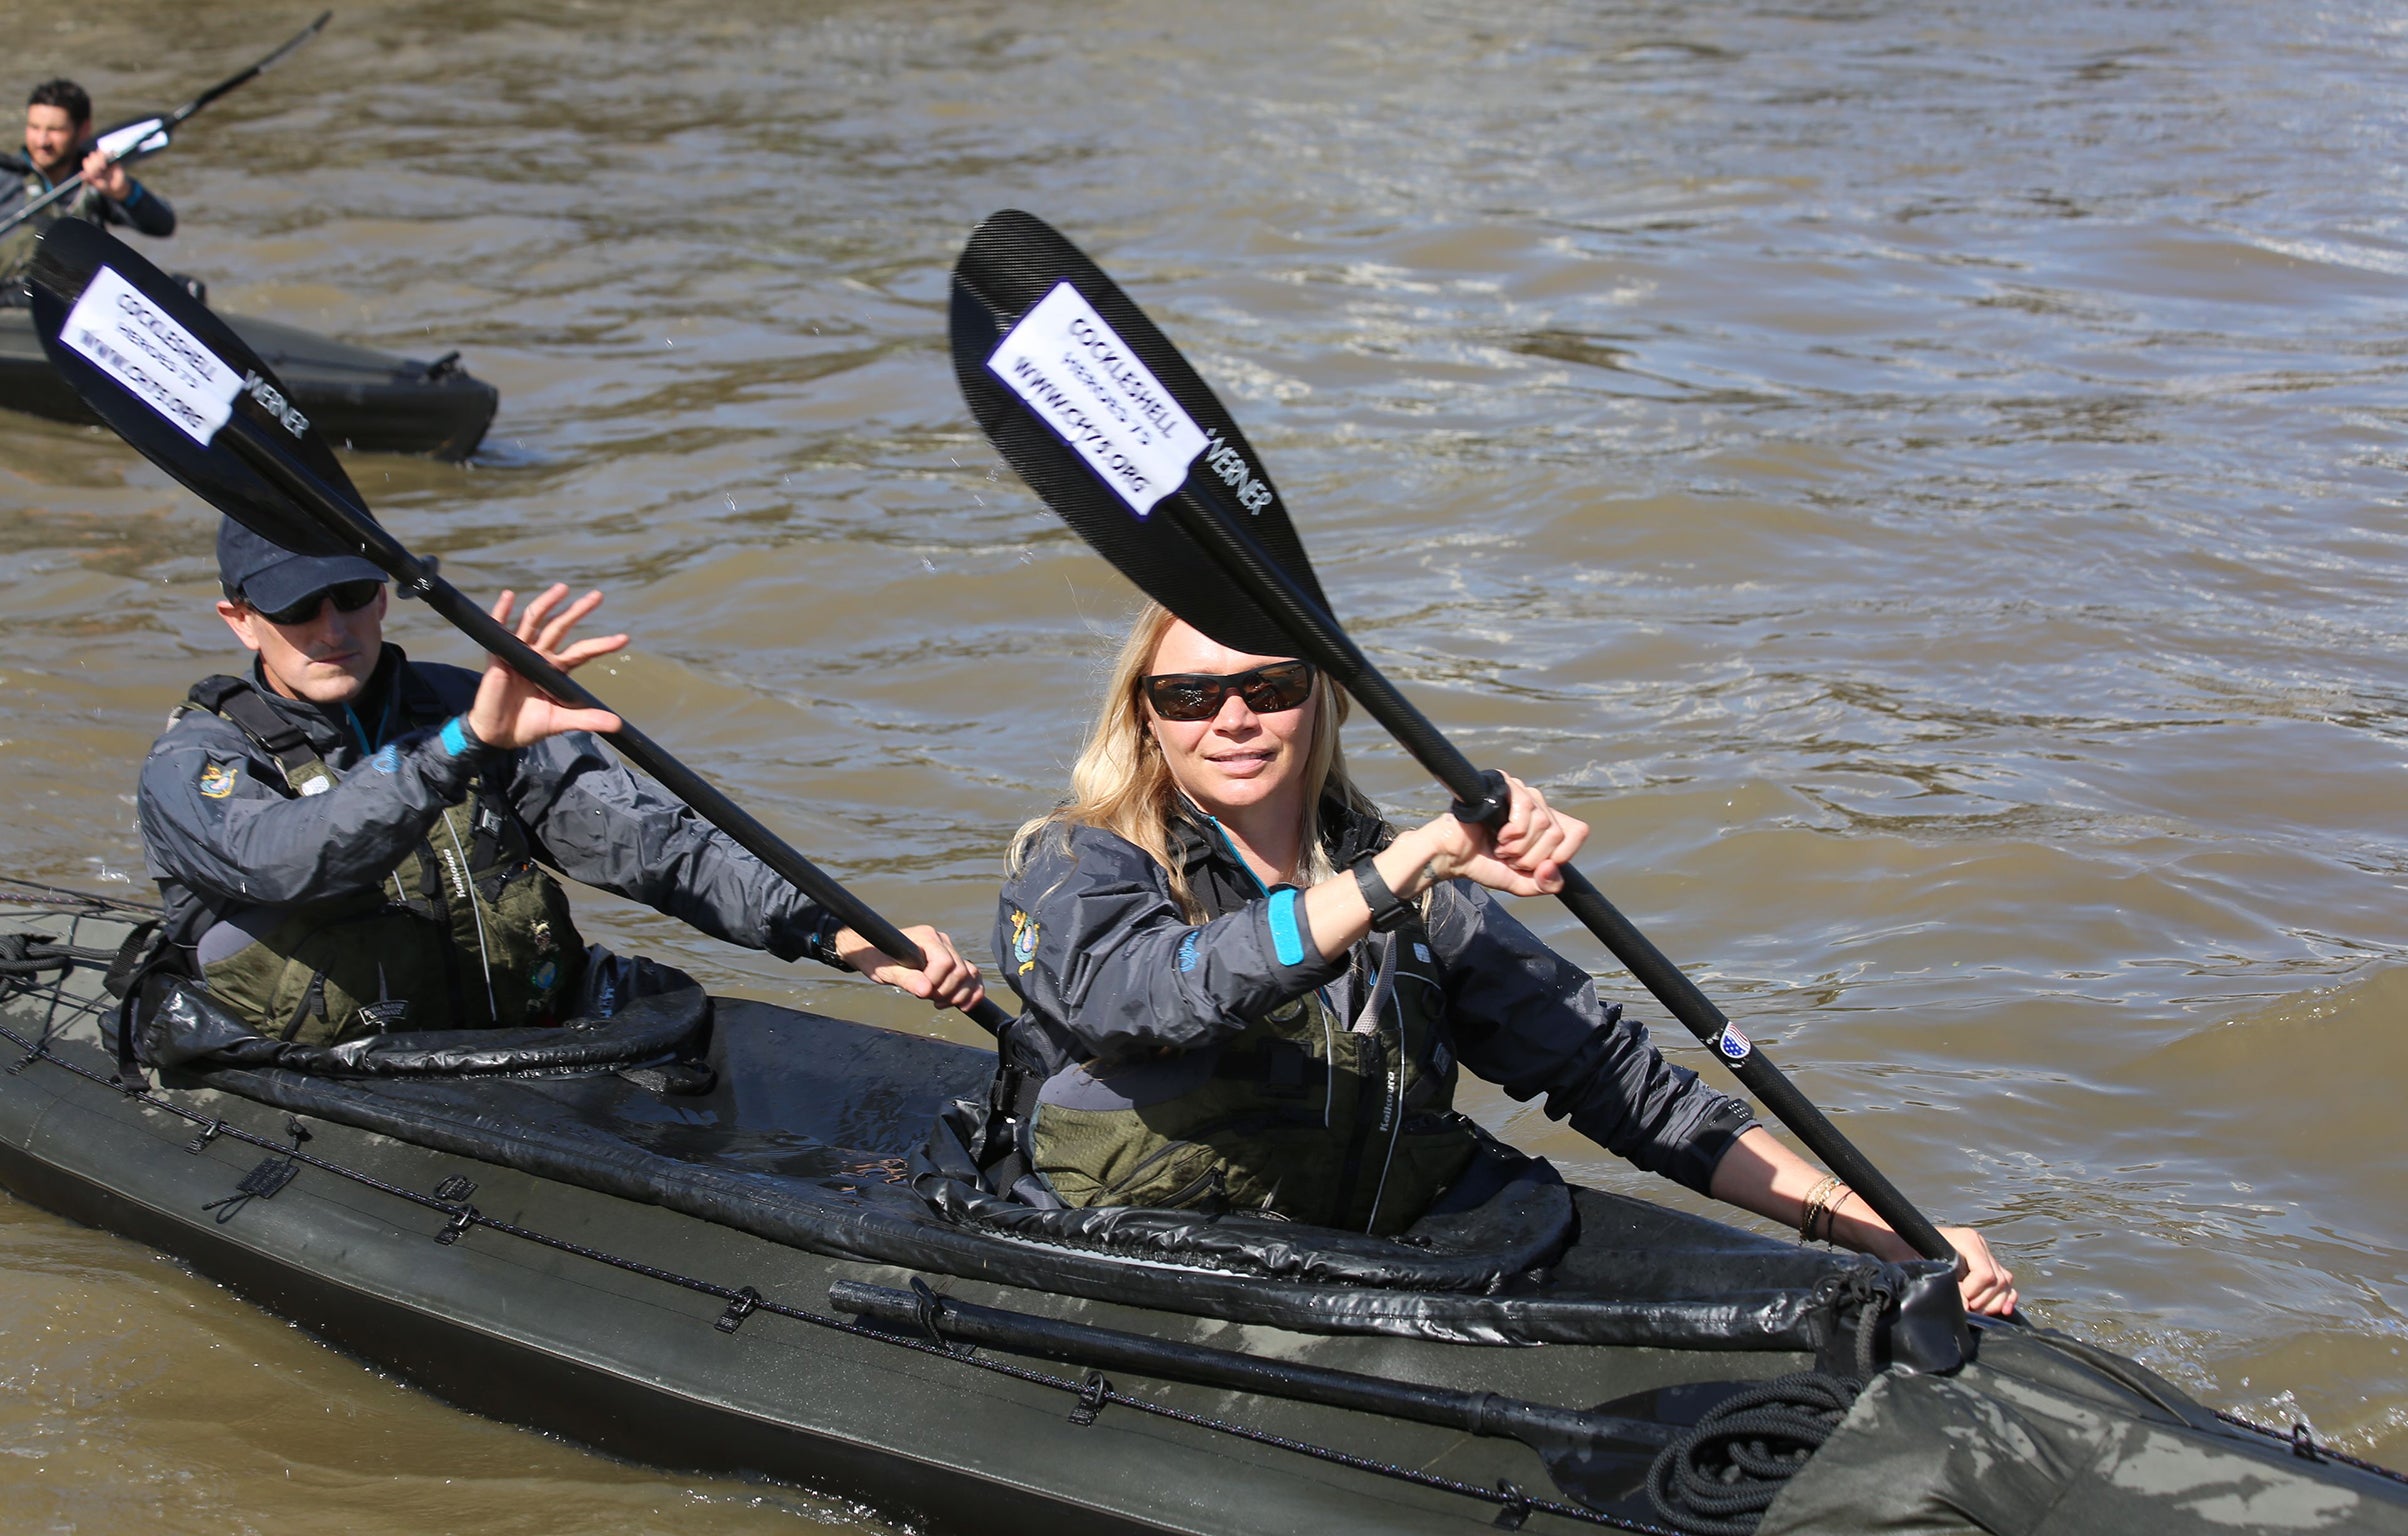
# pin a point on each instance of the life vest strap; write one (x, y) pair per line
(235, 700)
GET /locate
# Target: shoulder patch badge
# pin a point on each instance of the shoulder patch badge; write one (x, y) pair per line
(1024, 942)
(217, 779)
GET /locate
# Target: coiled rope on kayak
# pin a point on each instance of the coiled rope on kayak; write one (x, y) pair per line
(1514, 1505)
(1720, 1477)
(26, 956)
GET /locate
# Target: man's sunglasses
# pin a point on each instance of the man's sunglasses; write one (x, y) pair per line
(349, 597)
(1281, 686)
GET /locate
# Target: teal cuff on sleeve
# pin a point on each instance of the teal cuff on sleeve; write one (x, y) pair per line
(133, 193)
(456, 736)
(1286, 941)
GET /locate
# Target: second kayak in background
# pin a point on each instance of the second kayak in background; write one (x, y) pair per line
(362, 399)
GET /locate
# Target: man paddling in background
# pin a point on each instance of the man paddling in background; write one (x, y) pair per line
(58, 127)
(347, 841)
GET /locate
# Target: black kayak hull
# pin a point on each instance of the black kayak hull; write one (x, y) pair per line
(509, 1374)
(609, 1319)
(635, 1367)
(359, 398)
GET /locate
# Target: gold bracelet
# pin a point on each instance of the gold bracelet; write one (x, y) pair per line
(1813, 1202)
(1831, 1204)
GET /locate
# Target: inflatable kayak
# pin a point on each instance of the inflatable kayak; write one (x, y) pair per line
(724, 1235)
(359, 398)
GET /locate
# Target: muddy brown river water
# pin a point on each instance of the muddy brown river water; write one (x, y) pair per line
(1925, 479)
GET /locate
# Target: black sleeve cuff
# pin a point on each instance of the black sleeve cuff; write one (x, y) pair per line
(1718, 1130)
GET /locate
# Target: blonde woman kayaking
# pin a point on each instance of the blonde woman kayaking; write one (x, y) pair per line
(1257, 996)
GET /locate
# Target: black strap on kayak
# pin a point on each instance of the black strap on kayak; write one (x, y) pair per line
(144, 951)
(130, 960)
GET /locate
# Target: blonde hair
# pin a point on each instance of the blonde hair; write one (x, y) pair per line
(1121, 783)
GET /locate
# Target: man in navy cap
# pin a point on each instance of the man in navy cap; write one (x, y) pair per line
(348, 841)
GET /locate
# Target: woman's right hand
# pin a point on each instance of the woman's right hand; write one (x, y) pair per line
(1524, 857)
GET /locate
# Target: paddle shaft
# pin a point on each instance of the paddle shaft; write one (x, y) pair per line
(173, 119)
(417, 579)
(1206, 516)
(1478, 1413)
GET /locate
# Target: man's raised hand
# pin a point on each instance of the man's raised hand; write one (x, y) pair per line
(511, 712)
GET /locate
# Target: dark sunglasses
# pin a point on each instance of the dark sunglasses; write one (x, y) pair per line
(349, 597)
(1281, 686)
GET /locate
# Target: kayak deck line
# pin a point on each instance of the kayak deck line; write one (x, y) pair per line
(1091, 1393)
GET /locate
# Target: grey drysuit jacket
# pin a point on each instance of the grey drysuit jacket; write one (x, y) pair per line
(224, 838)
(1090, 937)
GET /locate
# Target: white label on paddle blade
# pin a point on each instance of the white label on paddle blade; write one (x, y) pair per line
(133, 341)
(1083, 381)
(147, 137)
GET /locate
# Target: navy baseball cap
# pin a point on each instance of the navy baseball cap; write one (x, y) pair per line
(269, 576)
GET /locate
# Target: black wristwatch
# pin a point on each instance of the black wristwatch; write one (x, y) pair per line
(821, 945)
(1389, 911)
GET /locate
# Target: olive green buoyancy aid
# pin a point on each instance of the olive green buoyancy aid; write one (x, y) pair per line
(1303, 1114)
(466, 932)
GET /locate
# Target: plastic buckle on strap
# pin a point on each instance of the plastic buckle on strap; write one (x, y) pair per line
(1496, 798)
(747, 1301)
(462, 1219)
(1092, 1393)
(454, 1189)
(209, 1133)
(1517, 1507)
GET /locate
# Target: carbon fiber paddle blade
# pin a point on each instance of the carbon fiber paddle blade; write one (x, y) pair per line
(1103, 418)
(165, 373)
